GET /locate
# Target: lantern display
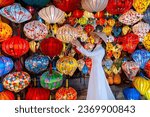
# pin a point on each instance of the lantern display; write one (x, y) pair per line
(67, 33)
(94, 5)
(6, 65)
(147, 94)
(35, 30)
(15, 46)
(52, 14)
(119, 6)
(34, 46)
(37, 94)
(6, 31)
(67, 5)
(66, 94)
(78, 13)
(51, 47)
(131, 17)
(141, 57)
(147, 69)
(6, 2)
(37, 63)
(81, 64)
(16, 13)
(6, 95)
(141, 29)
(141, 84)
(51, 81)
(67, 65)
(146, 17)
(16, 81)
(141, 5)
(36, 3)
(131, 94)
(130, 68)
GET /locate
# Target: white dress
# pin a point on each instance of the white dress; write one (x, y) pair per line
(98, 87)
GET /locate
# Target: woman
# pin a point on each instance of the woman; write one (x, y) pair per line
(98, 87)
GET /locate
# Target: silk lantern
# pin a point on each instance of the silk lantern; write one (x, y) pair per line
(119, 6)
(94, 5)
(5, 31)
(51, 14)
(85, 70)
(146, 42)
(6, 65)
(15, 46)
(147, 94)
(99, 14)
(146, 17)
(89, 28)
(66, 94)
(36, 3)
(147, 69)
(6, 2)
(16, 13)
(78, 13)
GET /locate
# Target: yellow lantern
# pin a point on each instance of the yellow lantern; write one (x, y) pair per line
(88, 15)
(107, 30)
(117, 51)
(141, 84)
(67, 65)
(34, 46)
(125, 30)
(111, 22)
(146, 42)
(147, 94)
(109, 46)
(5, 31)
(82, 21)
(141, 5)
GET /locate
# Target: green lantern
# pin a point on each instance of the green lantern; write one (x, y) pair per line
(37, 3)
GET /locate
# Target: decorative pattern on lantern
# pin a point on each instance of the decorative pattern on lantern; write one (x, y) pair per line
(147, 94)
(16, 81)
(15, 46)
(16, 13)
(81, 64)
(146, 42)
(94, 5)
(147, 69)
(6, 65)
(67, 65)
(51, 47)
(52, 14)
(119, 6)
(37, 94)
(35, 30)
(67, 33)
(66, 94)
(51, 81)
(37, 63)
(36, 3)
(5, 31)
(6, 2)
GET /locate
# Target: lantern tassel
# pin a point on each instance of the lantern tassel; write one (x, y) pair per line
(18, 65)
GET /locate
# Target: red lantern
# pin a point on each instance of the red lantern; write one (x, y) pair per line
(7, 95)
(38, 94)
(71, 20)
(51, 47)
(15, 46)
(119, 6)
(78, 13)
(101, 21)
(67, 5)
(88, 63)
(99, 14)
(6, 2)
(147, 69)
(89, 28)
(31, 9)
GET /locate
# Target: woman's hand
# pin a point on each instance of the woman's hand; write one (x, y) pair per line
(76, 43)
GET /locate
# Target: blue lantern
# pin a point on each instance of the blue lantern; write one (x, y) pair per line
(36, 3)
(1, 87)
(37, 63)
(131, 94)
(147, 16)
(85, 69)
(6, 65)
(117, 31)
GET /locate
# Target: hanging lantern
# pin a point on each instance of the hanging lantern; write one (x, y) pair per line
(81, 64)
(16, 13)
(147, 69)
(67, 33)
(89, 28)
(67, 65)
(34, 46)
(146, 42)
(37, 63)
(15, 46)
(147, 94)
(131, 17)
(146, 17)
(141, 84)
(94, 5)
(88, 63)
(66, 94)
(88, 15)
(5, 32)
(141, 5)
(82, 21)
(117, 31)
(35, 30)
(37, 94)
(16, 81)
(51, 81)
(52, 14)
(67, 5)
(125, 30)
(51, 47)
(107, 30)
(85, 70)
(78, 13)
(117, 49)
(4, 3)
(119, 6)
(36, 3)
(108, 63)
(99, 14)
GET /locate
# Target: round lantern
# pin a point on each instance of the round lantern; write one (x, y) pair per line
(131, 94)
(141, 84)
(16, 81)
(67, 5)
(5, 31)
(37, 94)
(119, 6)
(67, 65)
(66, 94)
(99, 14)
(94, 5)
(51, 81)
(6, 65)
(78, 13)
(147, 94)
(6, 95)
(35, 30)
(147, 16)
(15, 46)
(37, 63)
(6, 2)
(147, 69)
(36, 3)
(89, 28)
(51, 47)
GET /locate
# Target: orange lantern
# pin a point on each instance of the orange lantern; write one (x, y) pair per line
(6, 2)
